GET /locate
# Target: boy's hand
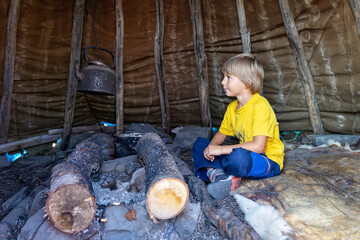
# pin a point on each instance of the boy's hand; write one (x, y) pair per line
(211, 151)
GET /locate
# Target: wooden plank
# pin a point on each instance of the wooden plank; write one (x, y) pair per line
(201, 62)
(119, 67)
(244, 31)
(81, 129)
(302, 67)
(30, 142)
(9, 64)
(159, 66)
(76, 37)
(355, 8)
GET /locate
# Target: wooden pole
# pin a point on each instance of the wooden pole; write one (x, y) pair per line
(355, 8)
(200, 54)
(159, 66)
(119, 67)
(244, 31)
(302, 67)
(9, 63)
(76, 37)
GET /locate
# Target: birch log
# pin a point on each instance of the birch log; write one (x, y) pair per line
(166, 192)
(71, 205)
(119, 67)
(76, 36)
(302, 67)
(9, 64)
(201, 65)
(159, 66)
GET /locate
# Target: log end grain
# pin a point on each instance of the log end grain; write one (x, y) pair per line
(71, 208)
(167, 198)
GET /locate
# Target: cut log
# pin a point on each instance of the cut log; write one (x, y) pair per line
(71, 205)
(166, 191)
(87, 156)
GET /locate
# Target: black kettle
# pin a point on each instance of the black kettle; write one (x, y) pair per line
(96, 77)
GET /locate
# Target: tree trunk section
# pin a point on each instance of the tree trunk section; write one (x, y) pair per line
(355, 8)
(302, 67)
(9, 64)
(87, 157)
(201, 64)
(159, 66)
(119, 67)
(76, 36)
(71, 205)
(166, 192)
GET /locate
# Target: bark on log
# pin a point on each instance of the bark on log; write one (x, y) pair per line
(159, 66)
(9, 65)
(201, 65)
(355, 8)
(76, 37)
(71, 205)
(166, 192)
(87, 157)
(119, 67)
(302, 67)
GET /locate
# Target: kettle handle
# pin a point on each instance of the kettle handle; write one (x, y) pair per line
(99, 48)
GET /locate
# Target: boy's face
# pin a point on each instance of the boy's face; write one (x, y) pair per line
(233, 86)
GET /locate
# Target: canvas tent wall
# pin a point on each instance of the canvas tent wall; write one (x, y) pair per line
(327, 29)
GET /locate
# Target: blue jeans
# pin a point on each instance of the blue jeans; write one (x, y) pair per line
(240, 163)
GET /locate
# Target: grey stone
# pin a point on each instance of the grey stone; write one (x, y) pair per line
(118, 164)
(142, 227)
(30, 228)
(186, 136)
(186, 222)
(47, 231)
(342, 139)
(4, 162)
(138, 181)
(5, 231)
(39, 201)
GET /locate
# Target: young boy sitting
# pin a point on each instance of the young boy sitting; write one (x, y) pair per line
(250, 118)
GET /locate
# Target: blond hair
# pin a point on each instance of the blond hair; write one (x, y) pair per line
(245, 67)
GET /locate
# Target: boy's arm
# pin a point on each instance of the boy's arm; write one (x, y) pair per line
(215, 143)
(257, 145)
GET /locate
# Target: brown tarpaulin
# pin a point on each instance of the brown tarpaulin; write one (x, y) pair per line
(327, 29)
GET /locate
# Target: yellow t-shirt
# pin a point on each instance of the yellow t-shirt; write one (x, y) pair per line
(255, 118)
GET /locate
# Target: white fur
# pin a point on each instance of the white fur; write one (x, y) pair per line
(265, 220)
